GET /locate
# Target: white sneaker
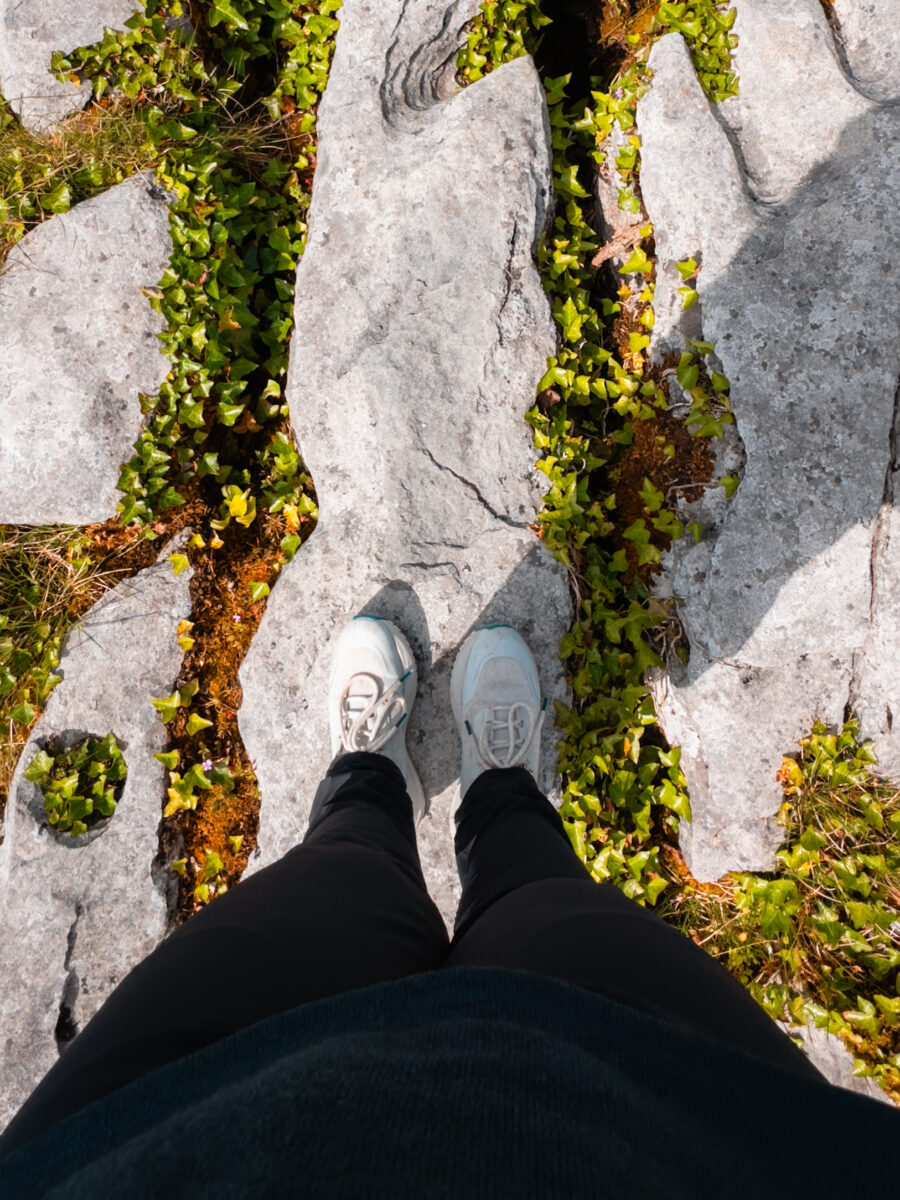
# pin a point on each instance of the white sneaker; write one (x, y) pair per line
(371, 694)
(496, 696)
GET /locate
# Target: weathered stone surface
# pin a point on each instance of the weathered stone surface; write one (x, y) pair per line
(869, 33)
(78, 915)
(421, 331)
(30, 31)
(79, 343)
(797, 293)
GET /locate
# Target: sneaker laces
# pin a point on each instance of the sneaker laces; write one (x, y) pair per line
(370, 714)
(506, 734)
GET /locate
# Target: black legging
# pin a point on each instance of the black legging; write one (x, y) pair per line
(349, 908)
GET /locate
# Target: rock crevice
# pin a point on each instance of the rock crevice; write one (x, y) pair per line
(476, 491)
(867, 38)
(67, 1025)
(420, 74)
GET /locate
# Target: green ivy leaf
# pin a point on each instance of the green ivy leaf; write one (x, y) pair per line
(38, 770)
(23, 713)
(167, 706)
(59, 200)
(638, 263)
(195, 723)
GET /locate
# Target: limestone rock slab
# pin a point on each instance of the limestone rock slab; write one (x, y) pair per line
(797, 242)
(421, 331)
(30, 31)
(78, 343)
(501, 576)
(78, 914)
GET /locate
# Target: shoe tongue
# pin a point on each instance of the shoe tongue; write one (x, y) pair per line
(362, 689)
(506, 733)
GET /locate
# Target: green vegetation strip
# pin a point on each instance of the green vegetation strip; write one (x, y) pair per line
(220, 101)
(622, 789)
(43, 174)
(818, 939)
(229, 107)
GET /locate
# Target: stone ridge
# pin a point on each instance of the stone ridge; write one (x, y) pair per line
(789, 196)
(78, 915)
(868, 42)
(421, 331)
(80, 343)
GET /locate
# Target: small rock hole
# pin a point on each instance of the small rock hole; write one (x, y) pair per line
(78, 780)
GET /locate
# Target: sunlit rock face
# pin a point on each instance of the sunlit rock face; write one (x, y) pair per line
(78, 345)
(789, 196)
(421, 331)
